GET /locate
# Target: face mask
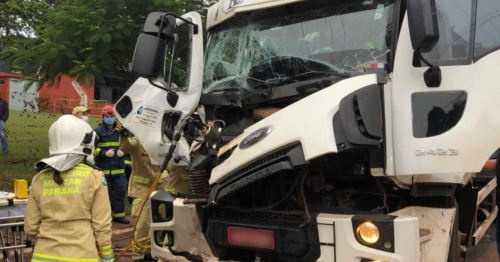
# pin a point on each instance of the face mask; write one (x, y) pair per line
(85, 118)
(109, 121)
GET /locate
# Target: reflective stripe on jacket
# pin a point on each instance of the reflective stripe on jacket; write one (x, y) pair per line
(178, 180)
(67, 220)
(127, 159)
(143, 172)
(108, 140)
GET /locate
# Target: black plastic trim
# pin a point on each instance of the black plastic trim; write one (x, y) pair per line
(292, 243)
(385, 225)
(124, 106)
(359, 122)
(430, 190)
(293, 158)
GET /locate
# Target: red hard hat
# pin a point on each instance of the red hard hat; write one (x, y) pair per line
(107, 110)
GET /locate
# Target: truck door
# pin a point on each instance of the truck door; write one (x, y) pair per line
(144, 109)
(454, 127)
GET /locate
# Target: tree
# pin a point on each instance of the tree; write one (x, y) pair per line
(18, 18)
(77, 38)
(85, 38)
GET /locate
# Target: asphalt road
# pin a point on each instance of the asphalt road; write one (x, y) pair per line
(486, 250)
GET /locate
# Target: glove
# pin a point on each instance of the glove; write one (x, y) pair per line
(119, 153)
(110, 153)
(108, 259)
(121, 129)
(90, 160)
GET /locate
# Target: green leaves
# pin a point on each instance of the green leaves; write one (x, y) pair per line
(80, 38)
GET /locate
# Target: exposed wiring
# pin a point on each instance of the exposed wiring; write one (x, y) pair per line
(303, 197)
(384, 196)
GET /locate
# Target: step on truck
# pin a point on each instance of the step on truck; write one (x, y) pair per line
(321, 130)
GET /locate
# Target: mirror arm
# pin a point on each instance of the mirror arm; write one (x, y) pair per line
(422, 58)
(172, 97)
(432, 76)
(159, 86)
(169, 83)
(164, 17)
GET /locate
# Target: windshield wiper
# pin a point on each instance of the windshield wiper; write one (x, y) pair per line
(224, 90)
(311, 73)
(296, 78)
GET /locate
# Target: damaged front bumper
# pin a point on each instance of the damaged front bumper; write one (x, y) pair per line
(177, 234)
(175, 230)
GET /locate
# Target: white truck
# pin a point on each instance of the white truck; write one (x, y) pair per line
(347, 131)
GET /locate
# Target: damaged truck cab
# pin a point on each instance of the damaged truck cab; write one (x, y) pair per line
(347, 131)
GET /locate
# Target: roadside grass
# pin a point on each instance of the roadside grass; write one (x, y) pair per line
(27, 135)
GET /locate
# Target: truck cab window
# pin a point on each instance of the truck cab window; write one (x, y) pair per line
(487, 28)
(180, 77)
(455, 23)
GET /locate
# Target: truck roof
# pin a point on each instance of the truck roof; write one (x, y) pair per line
(225, 9)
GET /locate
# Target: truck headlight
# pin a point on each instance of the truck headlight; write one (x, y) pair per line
(368, 232)
(375, 231)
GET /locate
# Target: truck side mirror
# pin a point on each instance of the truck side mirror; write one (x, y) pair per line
(423, 23)
(149, 56)
(150, 49)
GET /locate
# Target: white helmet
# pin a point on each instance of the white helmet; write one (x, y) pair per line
(71, 135)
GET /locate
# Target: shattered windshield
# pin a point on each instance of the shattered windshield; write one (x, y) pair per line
(314, 38)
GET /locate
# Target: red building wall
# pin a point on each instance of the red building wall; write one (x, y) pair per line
(63, 98)
(5, 87)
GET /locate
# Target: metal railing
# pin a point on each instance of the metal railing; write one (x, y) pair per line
(13, 241)
(64, 104)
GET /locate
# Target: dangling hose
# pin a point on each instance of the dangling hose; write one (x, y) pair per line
(168, 156)
(151, 189)
(136, 242)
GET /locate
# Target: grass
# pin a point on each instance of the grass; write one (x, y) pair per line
(27, 135)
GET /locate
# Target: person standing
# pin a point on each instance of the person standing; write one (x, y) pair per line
(68, 209)
(109, 158)
(81, 112)
(141, 180)
(4, 116)
(127, 160)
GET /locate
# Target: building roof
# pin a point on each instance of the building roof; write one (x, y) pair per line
(9, 75)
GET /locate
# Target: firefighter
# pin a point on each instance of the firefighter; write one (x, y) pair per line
(109, 158)
(178, 180)
(68, 210)
(141, 180)
(127, 160)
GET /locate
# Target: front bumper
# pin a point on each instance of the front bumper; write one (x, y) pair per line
(175, 230)
(332, 235)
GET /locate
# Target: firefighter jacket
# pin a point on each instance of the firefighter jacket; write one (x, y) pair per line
(66, 221)
(127, 160)
(178, 180)
(143, 172)
(108, 139)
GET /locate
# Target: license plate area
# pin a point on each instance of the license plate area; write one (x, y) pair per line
(250, 238)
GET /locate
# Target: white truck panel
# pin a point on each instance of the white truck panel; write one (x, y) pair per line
(315, 132)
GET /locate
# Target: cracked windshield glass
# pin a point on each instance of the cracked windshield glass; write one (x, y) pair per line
(263, 50)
